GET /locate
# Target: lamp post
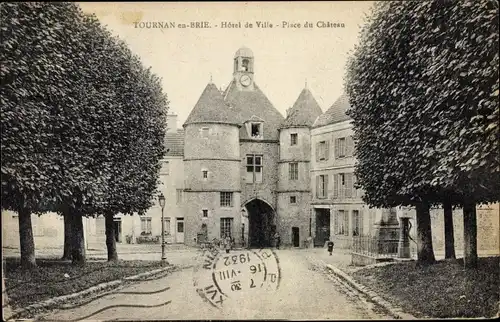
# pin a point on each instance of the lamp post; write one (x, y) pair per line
(161, 200)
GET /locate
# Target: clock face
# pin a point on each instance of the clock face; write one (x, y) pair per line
(245, 80)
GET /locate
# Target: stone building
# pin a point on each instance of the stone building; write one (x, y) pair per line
(338, 211)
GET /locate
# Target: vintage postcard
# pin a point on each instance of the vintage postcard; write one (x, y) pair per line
(257, 213)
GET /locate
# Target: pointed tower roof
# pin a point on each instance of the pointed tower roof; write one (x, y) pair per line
(251, 104)
(211, 108)
(304, 111)
(336, 113)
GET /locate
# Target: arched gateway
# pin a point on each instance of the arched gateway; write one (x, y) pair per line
(261, 223)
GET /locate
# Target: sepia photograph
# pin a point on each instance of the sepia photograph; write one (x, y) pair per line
(250, 160)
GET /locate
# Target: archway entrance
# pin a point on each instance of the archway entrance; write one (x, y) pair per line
(261, 226)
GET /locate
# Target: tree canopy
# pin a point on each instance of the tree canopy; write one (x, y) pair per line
(423, 86)
(83, 121)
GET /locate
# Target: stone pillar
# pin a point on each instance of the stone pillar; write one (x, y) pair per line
(386, 232)
(404, 240)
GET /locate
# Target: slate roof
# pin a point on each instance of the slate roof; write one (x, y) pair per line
(244, 52)
(211, 108)
(175, 142)
(336, 113)
(304, 111)
(248, 104)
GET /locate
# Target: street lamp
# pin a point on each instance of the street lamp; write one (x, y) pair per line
(161, 200)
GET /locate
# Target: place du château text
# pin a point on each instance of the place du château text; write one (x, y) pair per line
(237, 24)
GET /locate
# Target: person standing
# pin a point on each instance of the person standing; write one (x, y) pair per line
(330, 246)
(227, 243)
(277, 237)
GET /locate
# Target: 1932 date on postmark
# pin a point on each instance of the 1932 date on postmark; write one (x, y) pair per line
(221, 276)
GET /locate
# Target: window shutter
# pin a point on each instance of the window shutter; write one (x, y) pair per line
(327, 150)
(326, 186)
(354, 190)
(348, 185)
(335, 222)
(317, 186)
(336, 149)
(317, 152)
(350, 146)
(335, 186)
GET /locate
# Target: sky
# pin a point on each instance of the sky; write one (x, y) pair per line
(286, 57)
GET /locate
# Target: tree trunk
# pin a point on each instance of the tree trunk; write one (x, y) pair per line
(67, 236)
(425, 252)
(26, 239)
(449, 238)
(110, 238)
(78, 238)
(470, 235)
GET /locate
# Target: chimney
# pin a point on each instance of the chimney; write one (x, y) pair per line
(171, 123)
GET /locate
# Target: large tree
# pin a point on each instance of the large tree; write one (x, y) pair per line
(32, 80)
(64, 111)
(411, 108)
(138, 142)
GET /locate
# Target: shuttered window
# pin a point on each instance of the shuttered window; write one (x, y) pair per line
(321, 186)
(322, 151)
(348, 185)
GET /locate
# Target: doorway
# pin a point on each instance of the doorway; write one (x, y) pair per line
(118, 230)
(295, 237)
(179, 231)
(322, 226)
(260, 224)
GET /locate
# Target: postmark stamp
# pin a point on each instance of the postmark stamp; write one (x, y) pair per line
(221, 276)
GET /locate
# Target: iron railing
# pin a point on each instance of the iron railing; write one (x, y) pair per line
(368, 245)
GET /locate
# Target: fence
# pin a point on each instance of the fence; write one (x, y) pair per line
(368, 245)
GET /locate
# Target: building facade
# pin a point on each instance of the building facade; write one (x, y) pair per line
(238, 168)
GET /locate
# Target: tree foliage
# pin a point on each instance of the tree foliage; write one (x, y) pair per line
(423, 86)
(83, 121)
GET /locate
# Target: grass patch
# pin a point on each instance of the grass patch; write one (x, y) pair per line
(442, 290)
(48, 280)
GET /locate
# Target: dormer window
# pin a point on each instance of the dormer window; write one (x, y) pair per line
(256, 130)
(254, 127)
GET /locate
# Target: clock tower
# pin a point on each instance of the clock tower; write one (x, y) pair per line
(243, 69)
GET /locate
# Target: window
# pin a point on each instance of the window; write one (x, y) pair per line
(256, 130)
(205, 213)
(343, 186)
(205, 174)
(166, 226)
(165, 168)
(341, 223)
(180, 225)
(226, 199)
(226, 227)
(293, 199)
(344, 147)
(178, 200)
(357, 222)
(145, 225)
(321, 186)
(254, 168)
(293, 171)
(293, 139)
(205, 132)
(322, 151)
